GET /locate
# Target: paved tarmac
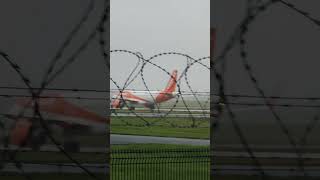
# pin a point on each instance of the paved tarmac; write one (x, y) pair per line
(133, 139)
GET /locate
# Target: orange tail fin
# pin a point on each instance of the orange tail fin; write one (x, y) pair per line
(166, 94)
(171, 86)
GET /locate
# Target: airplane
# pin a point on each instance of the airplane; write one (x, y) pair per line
(69, 118)
(147, 99)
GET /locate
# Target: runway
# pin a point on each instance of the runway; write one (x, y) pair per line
(163, 112)
(156, 115)
(180, 109)
(118, 139)
(133, 139)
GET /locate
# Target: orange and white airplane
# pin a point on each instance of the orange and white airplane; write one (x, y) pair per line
(69, 118)
(148, 99)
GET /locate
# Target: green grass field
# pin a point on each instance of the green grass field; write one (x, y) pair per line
(139, 165)
(161, 127)
(142, 161)
(166, 161)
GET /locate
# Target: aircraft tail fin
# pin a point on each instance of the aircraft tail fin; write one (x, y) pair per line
(172, 83)
(167, 93)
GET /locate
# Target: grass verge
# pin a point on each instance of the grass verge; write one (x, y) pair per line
(93, 157)
(140, 161)
(168, 127)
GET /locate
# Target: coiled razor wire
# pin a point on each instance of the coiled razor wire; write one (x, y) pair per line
(52, 72)
(47, 79)
(254, 9)
(162, 117)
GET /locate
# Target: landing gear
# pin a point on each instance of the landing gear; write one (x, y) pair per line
(132, 108)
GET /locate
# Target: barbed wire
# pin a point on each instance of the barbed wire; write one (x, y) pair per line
(35, 97)
(47, 79)
(239, 36)
(220, 101)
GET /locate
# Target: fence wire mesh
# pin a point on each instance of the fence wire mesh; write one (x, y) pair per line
(186, 163)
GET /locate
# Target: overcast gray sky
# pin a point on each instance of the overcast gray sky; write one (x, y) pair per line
(32, 32)
(153, 26)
